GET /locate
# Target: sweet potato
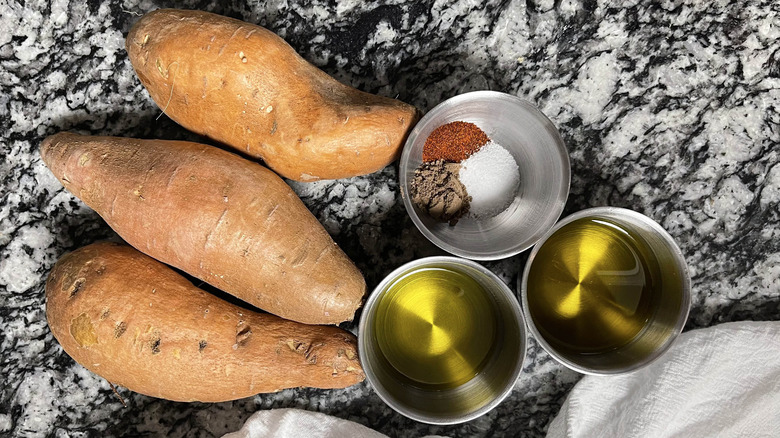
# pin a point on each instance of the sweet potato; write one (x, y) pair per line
(139, 324)
(242, 85)
(223, 219)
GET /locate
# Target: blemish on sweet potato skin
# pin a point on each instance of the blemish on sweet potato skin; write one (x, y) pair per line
(76, 287)
(243, 333)
(120, 329)
(82, 331)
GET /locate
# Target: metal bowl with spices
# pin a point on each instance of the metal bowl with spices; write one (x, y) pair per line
(544, 175)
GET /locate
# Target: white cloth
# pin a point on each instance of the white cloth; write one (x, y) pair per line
(297, 423)
(722, 381)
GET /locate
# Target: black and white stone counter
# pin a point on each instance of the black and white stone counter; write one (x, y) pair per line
(670, 109)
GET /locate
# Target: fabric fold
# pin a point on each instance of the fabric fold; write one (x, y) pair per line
(719, 381)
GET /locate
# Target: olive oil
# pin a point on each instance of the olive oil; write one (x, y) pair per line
(592, 286)
(436, 327)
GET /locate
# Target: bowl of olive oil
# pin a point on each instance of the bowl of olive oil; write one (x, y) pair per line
(442, 340)
(606, 291)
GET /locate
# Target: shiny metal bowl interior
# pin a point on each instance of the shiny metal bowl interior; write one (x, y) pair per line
(669, 315)
(540, 153)
(471, 399)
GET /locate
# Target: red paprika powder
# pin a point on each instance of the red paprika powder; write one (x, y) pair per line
(454, 141)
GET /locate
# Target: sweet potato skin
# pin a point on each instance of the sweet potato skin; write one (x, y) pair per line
(139, 324)
(223, 219)
(242, 85)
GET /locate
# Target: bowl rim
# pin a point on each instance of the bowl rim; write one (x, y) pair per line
(371, 303)
(560, 199)
(682, 317)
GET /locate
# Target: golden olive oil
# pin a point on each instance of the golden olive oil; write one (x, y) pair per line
(436, 327)
(592, 286)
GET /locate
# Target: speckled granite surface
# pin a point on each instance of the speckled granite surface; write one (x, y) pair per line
(672, 110)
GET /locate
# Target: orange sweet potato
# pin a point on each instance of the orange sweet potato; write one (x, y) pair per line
(223, 219)
(139, 324)
(242, 85)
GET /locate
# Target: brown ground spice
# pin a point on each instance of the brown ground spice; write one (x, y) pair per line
(454, 141)
(437, 190)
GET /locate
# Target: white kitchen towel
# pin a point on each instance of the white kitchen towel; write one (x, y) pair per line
(297, 423)
(722, 381)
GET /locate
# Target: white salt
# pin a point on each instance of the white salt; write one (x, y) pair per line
(491, 178)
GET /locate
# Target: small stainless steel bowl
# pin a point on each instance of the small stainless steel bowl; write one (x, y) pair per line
(471, 399)
(669, 313)
(541, 156)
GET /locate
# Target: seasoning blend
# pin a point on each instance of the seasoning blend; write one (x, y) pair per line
(464, 172)
(454, 142)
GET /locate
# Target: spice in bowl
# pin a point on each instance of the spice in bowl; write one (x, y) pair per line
(437, 190)
(454, 142)
(491, 178)
(464, 173)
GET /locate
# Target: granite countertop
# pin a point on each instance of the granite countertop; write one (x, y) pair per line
(672, 110)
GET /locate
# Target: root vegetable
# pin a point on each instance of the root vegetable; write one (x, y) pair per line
(139, 324)
(223, 219)
(242, 85)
